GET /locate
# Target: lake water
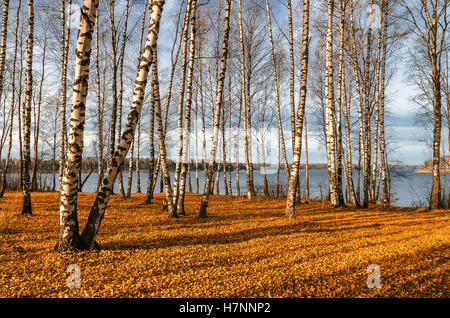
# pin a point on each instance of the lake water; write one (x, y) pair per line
(408, 188)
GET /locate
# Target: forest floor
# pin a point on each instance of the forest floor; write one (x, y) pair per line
(245, 248)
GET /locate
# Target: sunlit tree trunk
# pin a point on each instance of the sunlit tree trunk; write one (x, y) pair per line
(176, 182)
(229, 133)
(354, 61)
(151, 163)
(347, 126)
(3, 43)
(130, 170)
(68, 230)
(187, 120)
(116, 115)
(339, 147)
(306, 164)
(19, 104)
(277, 92)
(97, 211)
(429, 18)
(219, 104)
(224, 153)
(291, 73)
(165, 174)
(13, 86)
(246, 128)
(38, 114)
(197, 185)
(435, 199)
(26, 208)
(330, 111)
(65, 40)
(293, 177)
(120, 99)
(100, 107)
(138, 157)
(237, 167)
(386, 196)
(347, 98)
(292, 86)
(373, 176)
(367, 128)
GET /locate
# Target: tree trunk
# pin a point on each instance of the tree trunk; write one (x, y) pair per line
(120, 102)
(250, 187)
(293, 177)
(339, 147)
(3, 43)
(97, 211)
(238, 144)
(386, 196)
(13, 88)
(38, 115)
(179, 162)
(330, 116)
(187, 119)
(219, 104)
(165, 174)
(65, 40)
(26, 208)
(373, 179)
(435, 198)
(151, 164)
(277, 92)
(224, 154)
(130, 170)
(306, 164)
(19, 108)
(367, 129)
(138, 157)
(349, 165)
(100, 107)
(68, 232)
(354, 58)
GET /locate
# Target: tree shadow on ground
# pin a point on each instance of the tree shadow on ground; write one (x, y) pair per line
(229, 238)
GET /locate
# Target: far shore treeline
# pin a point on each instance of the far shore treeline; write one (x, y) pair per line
(90, 164)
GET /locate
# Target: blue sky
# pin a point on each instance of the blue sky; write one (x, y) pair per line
(405, 134)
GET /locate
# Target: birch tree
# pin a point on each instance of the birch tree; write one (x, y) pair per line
(218, 105)
(68, 221)
(250, 185)
(330, 111)
(26, 208)
(383, 163)
(187, 124)
(176, 182)
(13, 73)
(277, 92)
(3, 43)
(293, 177)
(429, 20)
(64, 43)
(98, 208)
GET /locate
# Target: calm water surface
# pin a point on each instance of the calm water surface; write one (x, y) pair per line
(408, 188)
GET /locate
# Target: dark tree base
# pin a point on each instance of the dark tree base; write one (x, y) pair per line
(83, 246)
(180, 210)
(26, 209)
(148, 199)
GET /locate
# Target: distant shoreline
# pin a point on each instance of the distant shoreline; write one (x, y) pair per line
(430, 171)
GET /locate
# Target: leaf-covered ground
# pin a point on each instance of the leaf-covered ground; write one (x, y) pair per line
(243, 249)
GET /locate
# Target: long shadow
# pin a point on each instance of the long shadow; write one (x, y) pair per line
(404, 275)
(228, 238)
